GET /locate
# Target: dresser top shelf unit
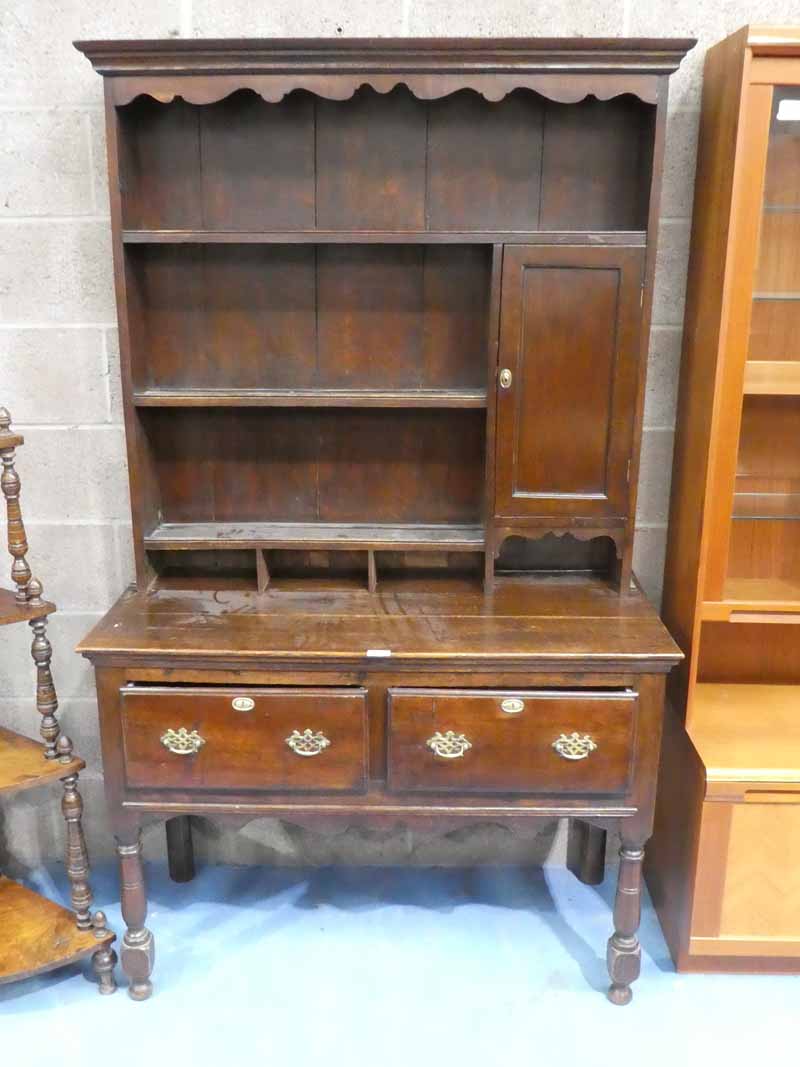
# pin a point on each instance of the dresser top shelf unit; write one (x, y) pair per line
(416, 325)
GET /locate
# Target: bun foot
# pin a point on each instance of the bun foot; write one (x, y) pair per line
(140, 990)
(620, 994)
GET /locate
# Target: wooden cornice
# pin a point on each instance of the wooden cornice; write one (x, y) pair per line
(562, 69)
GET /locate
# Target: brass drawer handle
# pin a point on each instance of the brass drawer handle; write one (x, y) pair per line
(449, 745)
(182, 742)
(307, 743)
(574, 745)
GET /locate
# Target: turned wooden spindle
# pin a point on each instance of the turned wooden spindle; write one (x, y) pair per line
(77, 859)
(624, 954)
(138, 950)
(46, 698)
(10, 483)
(105, 959)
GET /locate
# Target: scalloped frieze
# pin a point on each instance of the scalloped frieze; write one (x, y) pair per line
(561, 88)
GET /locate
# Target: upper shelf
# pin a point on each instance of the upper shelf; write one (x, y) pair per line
(637, 238)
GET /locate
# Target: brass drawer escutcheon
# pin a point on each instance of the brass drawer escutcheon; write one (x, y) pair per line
(512, 705)
(574, 745)
(448, 745)
(243, 703)
(182, 742)
(307, 742)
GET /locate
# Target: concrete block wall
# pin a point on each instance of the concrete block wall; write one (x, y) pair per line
(58, 343)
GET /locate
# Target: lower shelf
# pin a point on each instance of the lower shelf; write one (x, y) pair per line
(38, 935)
(747, 733)
(316, 535)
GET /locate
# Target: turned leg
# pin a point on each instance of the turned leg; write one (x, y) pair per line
(180, 850)
(586, 852)
(138, 952)
(624, 955)
(77, 859)
(105, 959)
(46, 700)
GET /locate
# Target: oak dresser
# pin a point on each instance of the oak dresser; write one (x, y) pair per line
(384, 311)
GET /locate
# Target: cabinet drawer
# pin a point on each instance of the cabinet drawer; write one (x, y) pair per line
(534, 741)
(287, 740)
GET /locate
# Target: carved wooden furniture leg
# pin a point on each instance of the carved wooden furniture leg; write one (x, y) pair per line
(624, 954)
(76, 856)
(138, 950)
(46, 699)
(586, 852)
(105, 959)
(180, 850)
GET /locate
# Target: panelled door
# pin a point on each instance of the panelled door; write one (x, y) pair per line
(567, 379)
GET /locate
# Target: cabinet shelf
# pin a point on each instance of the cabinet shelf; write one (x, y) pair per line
(747, 732)
(772, 377)
(311, 398)
(449, 537)
(447, 237)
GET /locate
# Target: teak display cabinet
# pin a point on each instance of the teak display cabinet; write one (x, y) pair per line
(384, 311)
(723, 864)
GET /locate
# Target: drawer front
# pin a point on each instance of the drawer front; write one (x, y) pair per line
(283, 740)
(533, 741)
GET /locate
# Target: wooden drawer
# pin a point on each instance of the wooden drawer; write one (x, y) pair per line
(472, 741)
(245, 739)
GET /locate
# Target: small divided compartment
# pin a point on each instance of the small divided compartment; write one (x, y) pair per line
(313, 291)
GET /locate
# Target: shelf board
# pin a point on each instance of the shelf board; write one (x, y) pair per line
(772, 377)
(13, 610)
(560, 237)
(745, 599)
(788, 295)
(747, 733)
(23, 764)
(449, 537)
(38, 934)
(311, 398)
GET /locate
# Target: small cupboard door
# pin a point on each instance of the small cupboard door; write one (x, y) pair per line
(567, 379)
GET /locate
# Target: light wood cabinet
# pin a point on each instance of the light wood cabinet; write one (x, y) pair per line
(723, 865)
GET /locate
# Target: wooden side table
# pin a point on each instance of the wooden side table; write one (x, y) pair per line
(38, 934)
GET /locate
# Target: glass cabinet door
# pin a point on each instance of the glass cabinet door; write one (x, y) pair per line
(764, 558)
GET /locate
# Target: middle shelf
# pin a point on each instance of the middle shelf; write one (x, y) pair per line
(450, 537)
(311, 398)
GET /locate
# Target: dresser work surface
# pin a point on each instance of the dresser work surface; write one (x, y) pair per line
(427, 703)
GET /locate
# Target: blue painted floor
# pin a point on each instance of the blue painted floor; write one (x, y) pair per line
(390, 967)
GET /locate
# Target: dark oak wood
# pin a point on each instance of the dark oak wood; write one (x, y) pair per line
(23, 764)
(586, 852)
(180, 848)
(325, 253)
(510, 751)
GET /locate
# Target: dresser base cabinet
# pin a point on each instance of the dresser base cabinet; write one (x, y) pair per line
(275, 704)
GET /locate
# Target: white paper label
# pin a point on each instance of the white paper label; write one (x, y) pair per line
(378, 652)
(789, 111)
